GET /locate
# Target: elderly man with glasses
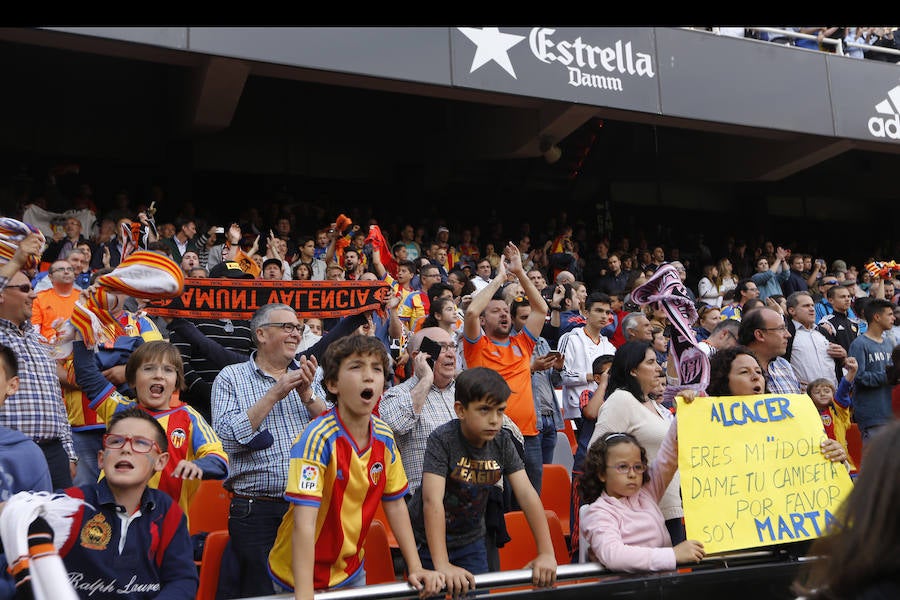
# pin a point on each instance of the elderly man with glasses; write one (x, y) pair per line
(416, 407)
(765, 332)
(36, 408)
(259, 407)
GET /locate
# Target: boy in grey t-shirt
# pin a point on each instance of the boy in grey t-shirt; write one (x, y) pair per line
(463, 459)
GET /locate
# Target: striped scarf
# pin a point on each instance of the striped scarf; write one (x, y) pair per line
(143, 274)
(882, 269)
(12, 232)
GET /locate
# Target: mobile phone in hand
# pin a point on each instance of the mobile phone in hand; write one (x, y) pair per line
(432, 348)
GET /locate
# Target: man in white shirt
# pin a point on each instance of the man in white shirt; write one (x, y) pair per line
(581, 346)
(482, 274)
(811, 355)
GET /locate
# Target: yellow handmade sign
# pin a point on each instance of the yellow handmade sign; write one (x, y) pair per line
(752, 471)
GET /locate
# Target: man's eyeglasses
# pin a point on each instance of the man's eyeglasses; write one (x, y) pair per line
(831, 282)
(623, 469)
(286, 327)
(452, 346)
(139, 443)
(782, 329)
(25, 288)
(66, 269)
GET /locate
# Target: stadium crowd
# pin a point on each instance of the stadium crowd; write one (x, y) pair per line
(851, 39)
(551, 311)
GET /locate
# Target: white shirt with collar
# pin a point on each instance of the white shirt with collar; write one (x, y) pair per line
(809, 355)
(480, 283)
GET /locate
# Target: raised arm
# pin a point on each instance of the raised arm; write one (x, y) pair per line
(332, 244)
(472, 324)
(345, 326)
(377, 265)
(535, 321)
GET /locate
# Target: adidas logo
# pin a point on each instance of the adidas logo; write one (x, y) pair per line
(887, 127)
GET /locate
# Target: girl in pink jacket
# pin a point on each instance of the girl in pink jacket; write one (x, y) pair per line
(623, 525)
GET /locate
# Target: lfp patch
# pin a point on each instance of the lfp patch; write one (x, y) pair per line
(309, 478)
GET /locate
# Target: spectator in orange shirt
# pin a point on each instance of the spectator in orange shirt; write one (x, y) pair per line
(55, 304)
(487, 343)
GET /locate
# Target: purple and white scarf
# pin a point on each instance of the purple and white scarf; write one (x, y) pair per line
(665, 290)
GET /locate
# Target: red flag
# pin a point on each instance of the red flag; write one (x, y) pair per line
(376, 239)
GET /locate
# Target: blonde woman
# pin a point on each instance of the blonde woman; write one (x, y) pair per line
(726, 279)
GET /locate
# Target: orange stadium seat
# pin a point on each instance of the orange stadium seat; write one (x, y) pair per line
(209, 507)
(211, 564)
(556, 492)
(522, 549)
(570, 433)
(558, 537)
(379, 561)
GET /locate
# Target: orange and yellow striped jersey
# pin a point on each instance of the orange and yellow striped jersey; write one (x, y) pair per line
(327, 470)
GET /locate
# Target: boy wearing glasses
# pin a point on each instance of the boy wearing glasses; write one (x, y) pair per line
(129, 540)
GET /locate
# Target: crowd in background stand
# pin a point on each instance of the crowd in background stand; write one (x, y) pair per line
(883, 37)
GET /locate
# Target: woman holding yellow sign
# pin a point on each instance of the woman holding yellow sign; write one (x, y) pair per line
(736, 372)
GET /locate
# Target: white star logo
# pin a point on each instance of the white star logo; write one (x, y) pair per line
(491, 45)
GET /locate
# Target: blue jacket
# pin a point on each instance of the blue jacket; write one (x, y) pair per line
(157, 560)
(769, 282)
(22, 468)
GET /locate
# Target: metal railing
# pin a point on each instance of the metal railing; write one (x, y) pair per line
(838, 49)
(836, 42)
(572, 573)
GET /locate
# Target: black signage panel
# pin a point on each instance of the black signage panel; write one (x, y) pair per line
(743, 81)
(614, 67)
(866, 99)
